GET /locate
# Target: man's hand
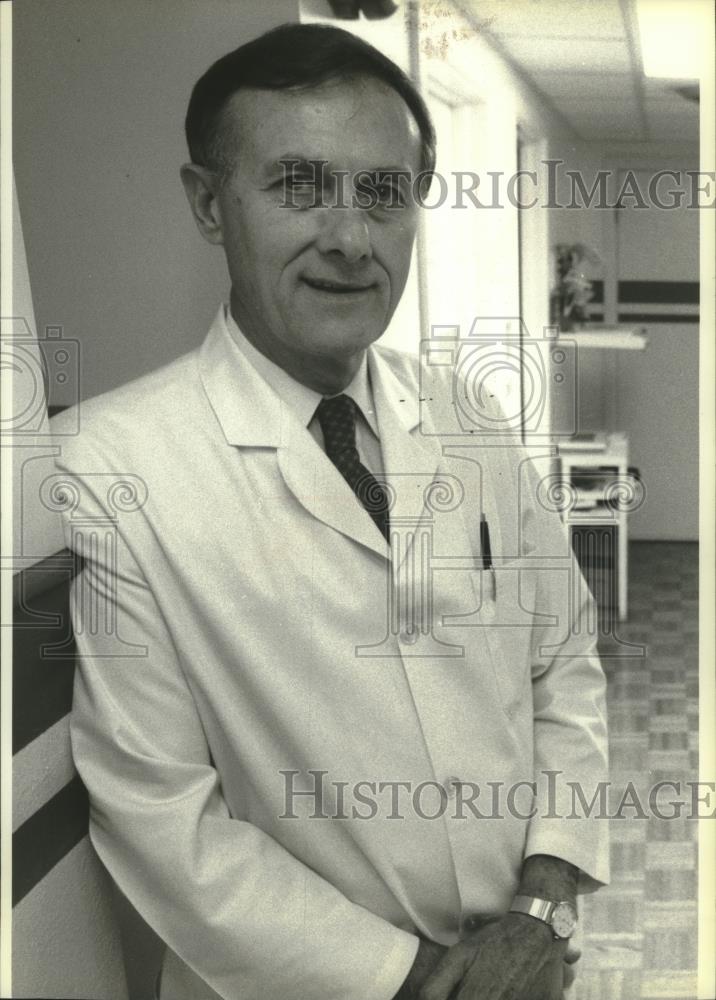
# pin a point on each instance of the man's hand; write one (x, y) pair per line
(572, 956)
(511, 958)
(514, 958)
(428, 955)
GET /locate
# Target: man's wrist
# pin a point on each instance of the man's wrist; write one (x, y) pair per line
(547, 877)
(537, 929)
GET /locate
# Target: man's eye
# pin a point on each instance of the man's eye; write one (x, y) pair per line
(299, 191)
(390, 194)
(380, 191)
(300, 184)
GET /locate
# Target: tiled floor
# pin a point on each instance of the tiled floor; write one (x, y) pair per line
(640, 933)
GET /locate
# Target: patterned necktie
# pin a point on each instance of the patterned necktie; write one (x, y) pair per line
(337, 417)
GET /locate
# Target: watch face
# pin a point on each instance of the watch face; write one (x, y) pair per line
(564, 920)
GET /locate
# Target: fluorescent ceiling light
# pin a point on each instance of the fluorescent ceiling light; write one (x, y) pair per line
(673, 36)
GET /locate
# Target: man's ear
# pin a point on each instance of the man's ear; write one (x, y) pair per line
(201, 186)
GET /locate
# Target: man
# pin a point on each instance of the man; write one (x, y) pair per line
(267, 646)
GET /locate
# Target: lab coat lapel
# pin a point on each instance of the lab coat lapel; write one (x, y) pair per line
(320, 488)
(411, 459)
(252, 415)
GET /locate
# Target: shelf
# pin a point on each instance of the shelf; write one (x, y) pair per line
(589, 499)
(608, 338)
(601, 449)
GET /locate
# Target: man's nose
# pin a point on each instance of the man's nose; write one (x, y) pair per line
(345, 231)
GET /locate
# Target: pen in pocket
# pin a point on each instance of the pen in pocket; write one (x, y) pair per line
(485, 549)
(486, 553)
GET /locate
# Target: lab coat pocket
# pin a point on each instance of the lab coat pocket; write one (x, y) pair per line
(506, 599)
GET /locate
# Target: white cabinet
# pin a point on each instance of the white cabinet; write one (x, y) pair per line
(594, 466)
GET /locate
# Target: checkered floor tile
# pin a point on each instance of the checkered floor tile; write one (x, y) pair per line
(640, 932)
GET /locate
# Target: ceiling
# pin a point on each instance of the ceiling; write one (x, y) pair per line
(583, 57)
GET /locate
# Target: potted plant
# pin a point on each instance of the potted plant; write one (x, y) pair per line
(573, 290)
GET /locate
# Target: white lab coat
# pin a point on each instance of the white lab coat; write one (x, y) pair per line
(253, 635)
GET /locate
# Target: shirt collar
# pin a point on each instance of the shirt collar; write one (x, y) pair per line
(298, 397)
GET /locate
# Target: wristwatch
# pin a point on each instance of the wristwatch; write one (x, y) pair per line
(561, 916)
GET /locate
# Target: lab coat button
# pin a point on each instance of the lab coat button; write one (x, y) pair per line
(451, 786)
(409, 638)
(472, 923)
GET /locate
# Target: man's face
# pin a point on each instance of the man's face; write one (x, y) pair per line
(317, 283)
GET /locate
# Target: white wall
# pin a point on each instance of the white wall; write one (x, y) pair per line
(651, 396)
(657, 395)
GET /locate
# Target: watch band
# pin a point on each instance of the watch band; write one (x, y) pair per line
(559, 915)
(542, 909)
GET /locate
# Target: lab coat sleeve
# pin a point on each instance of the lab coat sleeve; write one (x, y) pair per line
(248, 917)
(568, 687)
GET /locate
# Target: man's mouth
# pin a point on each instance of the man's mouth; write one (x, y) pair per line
(336, 287)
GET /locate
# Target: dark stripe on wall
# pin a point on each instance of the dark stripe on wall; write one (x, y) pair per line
(45, 574)
(53, 410)
(43, 648)
(658, 318)
(659, 292)
(47, 836)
